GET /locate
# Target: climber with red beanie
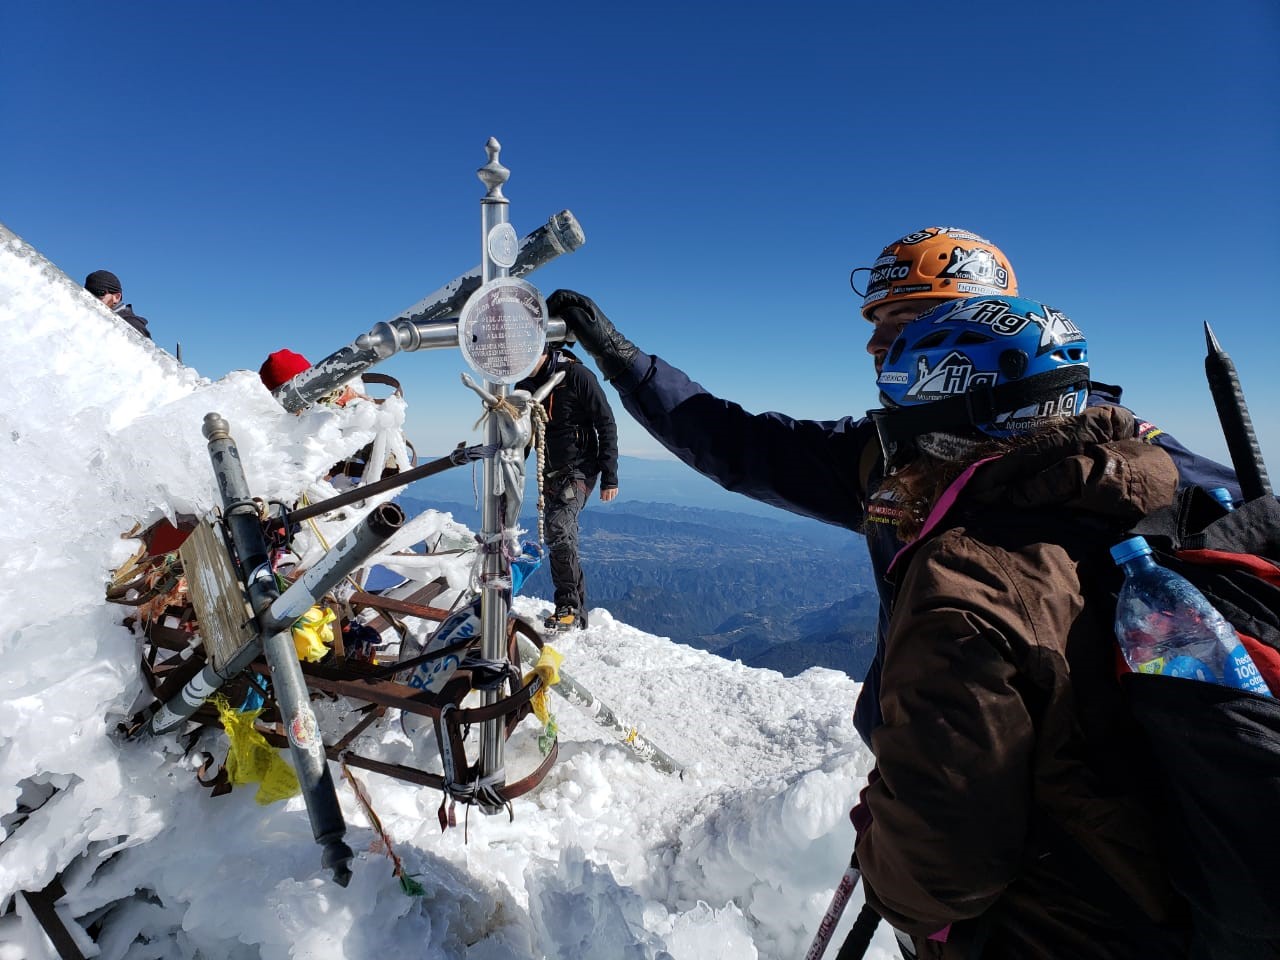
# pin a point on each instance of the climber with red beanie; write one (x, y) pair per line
(281, 367)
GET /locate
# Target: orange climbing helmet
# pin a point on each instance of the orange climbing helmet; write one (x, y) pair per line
(947, 262)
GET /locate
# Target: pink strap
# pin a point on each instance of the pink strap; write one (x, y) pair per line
(945, 502)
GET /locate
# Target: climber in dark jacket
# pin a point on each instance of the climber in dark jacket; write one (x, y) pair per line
(829, 470)
(581, 448)
(105, 285)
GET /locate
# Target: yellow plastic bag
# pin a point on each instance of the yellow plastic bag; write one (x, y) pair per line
(547, 667)
(313, 635)
(250, 759)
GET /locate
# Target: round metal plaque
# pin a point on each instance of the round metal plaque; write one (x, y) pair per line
(503, 245)
(503, 329)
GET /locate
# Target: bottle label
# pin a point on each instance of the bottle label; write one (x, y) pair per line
(434, 674)
(1189, 668)
(1242, 672)
(1154, 665)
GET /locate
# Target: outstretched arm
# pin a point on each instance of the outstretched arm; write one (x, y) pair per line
(807, 467)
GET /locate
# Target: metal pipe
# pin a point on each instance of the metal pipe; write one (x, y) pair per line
(459, 456)
(240, 513)
(198, 689)
(276, 612)
(561, 234)
(425, 325)
(348, 554)
(352, 551)
(306, 746)
(327, 823)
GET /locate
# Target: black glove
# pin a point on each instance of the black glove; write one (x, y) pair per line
(612, 351)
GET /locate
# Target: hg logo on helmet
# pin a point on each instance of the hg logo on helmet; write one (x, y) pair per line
(954, 375)
(977, 264)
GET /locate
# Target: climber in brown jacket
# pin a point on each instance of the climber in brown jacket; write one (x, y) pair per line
(1007, 816)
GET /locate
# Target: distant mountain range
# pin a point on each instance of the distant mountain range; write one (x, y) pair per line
(754, 584)
(651, 481)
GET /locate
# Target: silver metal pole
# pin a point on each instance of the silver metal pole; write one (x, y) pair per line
(309, 761)
(495, 226)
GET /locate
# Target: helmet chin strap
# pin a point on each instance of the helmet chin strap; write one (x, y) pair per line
(901, 427)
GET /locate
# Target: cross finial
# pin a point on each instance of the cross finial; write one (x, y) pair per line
(493, 174)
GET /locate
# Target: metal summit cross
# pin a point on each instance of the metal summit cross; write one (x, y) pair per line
(501, 333)
(501, 329)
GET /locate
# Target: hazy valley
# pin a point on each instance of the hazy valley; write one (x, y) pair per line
(764, 587)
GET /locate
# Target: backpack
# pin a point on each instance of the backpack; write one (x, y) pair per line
(1218, 748)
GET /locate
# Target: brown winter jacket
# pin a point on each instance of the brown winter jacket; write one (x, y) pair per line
(1010, 799)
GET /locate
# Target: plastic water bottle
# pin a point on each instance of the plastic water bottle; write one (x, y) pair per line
(1166, 626)
(1223, 496)
(463, 624)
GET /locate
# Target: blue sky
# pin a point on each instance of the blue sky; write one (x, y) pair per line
(290, 174)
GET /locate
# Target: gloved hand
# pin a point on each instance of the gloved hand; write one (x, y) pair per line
(611, 351)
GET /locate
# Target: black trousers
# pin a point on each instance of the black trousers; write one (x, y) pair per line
(565, 497)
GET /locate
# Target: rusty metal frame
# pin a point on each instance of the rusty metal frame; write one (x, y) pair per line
(376, 688)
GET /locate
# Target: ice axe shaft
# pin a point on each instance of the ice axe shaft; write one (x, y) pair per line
(1237, 426)
(603, 715)
(839, 900)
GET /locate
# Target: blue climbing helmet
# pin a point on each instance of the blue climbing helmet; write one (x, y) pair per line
(993, 365)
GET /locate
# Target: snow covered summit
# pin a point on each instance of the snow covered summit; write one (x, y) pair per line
(608, 858)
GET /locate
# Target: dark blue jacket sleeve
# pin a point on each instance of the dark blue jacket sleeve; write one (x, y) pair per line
(809, 467)
(1193, 469)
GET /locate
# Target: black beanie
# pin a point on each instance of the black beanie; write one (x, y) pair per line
(102, 281)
